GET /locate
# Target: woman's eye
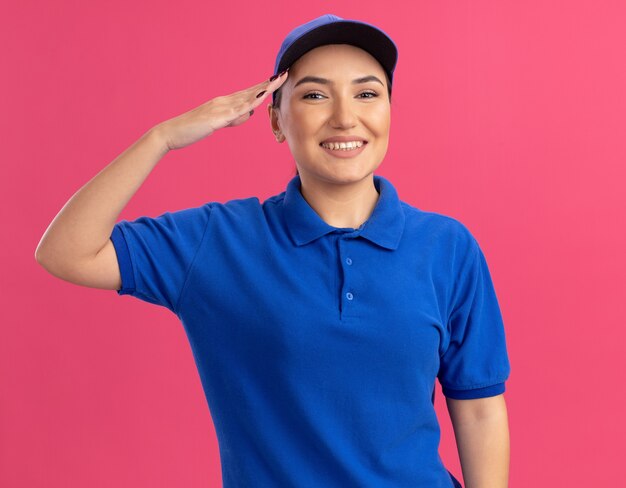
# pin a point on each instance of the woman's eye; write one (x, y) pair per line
(374, 94)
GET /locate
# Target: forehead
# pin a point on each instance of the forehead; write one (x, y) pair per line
(335, 58)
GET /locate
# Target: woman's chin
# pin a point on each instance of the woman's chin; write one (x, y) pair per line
(343, 175)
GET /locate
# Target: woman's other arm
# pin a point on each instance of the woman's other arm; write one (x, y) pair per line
(481, 430)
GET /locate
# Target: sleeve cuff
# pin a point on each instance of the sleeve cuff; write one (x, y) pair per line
(124, 261)
(487, 391)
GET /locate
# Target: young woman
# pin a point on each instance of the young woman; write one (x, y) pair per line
(320, 318)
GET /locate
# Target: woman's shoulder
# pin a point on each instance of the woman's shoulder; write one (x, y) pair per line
(437, 223)
(247, 203)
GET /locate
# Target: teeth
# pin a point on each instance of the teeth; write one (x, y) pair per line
(344, 146)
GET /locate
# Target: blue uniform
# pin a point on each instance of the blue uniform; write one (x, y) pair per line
(318, 347)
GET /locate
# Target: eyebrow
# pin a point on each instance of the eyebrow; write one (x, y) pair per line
(324, 81)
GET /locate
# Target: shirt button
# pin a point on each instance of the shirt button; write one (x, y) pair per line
(348, 260)
(349, 296)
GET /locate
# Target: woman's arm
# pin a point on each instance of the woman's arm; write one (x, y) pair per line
(481, 429)
(83, 226)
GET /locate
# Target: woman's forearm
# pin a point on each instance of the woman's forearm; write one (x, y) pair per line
(482, 435)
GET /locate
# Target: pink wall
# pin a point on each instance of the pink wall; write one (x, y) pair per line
(509, 116)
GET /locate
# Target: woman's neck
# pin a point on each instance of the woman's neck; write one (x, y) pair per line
(343, 206)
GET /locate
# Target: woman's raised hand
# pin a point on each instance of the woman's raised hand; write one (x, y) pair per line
(222, 111)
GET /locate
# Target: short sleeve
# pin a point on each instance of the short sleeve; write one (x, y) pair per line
(475, 363)
(156, 254)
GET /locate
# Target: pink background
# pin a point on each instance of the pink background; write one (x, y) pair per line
(507, 115)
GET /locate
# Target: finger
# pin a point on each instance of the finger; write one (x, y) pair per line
(255, 95)
(241, 119)
(270, 84)
(278, 81)
(267, 84)
(271, 87)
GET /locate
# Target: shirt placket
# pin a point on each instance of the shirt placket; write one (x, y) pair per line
(348, 294)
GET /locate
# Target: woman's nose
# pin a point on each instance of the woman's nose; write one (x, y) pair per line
(343, 113)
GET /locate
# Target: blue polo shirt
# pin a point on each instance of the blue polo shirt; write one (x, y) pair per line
(318, 347)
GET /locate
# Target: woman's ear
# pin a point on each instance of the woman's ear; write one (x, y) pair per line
(273, 114)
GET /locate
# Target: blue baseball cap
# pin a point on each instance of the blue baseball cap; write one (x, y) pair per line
(331, 29)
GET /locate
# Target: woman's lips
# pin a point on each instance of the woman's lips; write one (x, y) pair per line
(345, 153)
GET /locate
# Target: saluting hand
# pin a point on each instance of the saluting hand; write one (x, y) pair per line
(222, 111)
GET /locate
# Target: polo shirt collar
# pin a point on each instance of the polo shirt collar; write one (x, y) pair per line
(384, 226)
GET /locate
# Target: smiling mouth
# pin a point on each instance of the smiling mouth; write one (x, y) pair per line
(342, 146)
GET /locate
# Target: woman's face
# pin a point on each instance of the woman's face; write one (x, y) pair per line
(313, 111)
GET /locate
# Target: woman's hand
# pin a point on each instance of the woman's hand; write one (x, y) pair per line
(222, 111)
